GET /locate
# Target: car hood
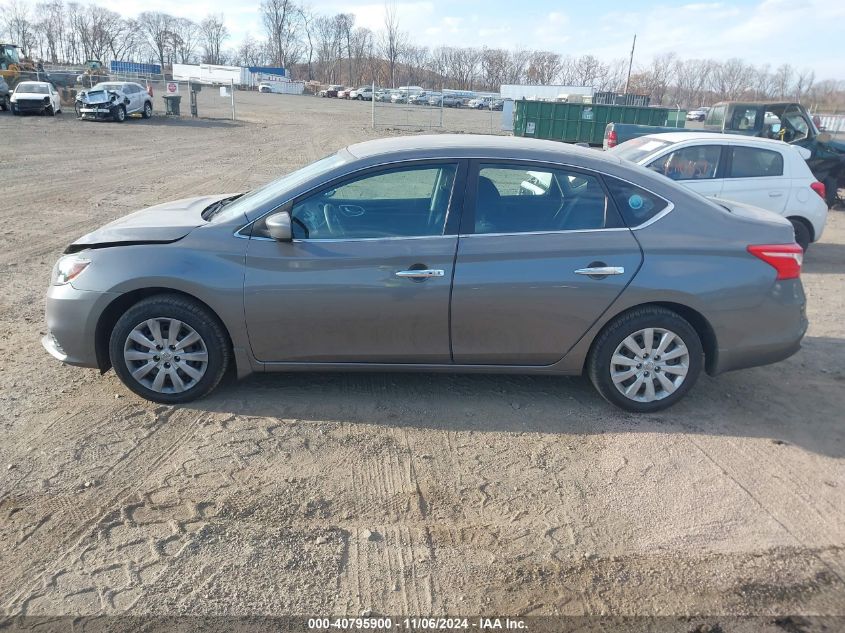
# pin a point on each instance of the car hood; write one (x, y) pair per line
(30, 95)
(162, 223)
(98, 96)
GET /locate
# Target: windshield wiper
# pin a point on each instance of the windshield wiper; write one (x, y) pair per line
(214, 208)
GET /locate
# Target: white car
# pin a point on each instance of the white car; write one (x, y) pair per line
(38, 97)
(365, 93)
(761, 172)
(114, 100)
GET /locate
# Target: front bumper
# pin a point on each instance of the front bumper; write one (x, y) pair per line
(30, 106)
(72, 316)
(103, 111)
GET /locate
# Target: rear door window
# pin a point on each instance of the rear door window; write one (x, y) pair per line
(531, 199)
(753, 162)
(699, 162)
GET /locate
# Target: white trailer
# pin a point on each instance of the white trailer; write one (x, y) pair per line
(211, 74)
(546, 93)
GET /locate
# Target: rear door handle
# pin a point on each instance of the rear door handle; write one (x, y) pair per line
(601, 271)
(420, 274)
(775, 194)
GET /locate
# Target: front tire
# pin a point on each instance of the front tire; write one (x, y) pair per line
(118, 114)
(645, 360)
(169, 349)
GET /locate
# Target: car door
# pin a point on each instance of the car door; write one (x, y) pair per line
(367, 277)
(542, 253)
(754, 175)
(696, 166)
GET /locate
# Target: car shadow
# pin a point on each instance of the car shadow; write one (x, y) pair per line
(799, 401)
(825, 258)
(161, 120)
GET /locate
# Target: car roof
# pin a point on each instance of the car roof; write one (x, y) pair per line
(36, 83)
(680, 137)
(481, 145)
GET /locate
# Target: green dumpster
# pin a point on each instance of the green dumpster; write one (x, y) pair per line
(583, 122)
(171, 103)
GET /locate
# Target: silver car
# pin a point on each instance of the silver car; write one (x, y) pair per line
(452, 253)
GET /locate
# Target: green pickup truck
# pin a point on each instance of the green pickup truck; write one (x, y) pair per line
(789, 122)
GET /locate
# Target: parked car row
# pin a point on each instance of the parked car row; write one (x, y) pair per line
(412, 95)
(114, 100)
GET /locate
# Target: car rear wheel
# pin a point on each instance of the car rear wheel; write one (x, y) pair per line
(645, 360)
(169, 349)
(802, 233)
(148, 110)
(4, 103)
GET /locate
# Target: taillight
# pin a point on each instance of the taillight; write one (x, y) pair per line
(786, 259)
(612, 139)
(818, 187)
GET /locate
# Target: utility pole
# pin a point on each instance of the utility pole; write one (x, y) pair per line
(630, 63)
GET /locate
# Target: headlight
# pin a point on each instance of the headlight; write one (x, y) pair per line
(69, 268)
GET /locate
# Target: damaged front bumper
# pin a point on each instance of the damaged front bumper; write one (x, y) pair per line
(96, 111)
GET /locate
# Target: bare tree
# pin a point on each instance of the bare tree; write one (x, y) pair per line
(18, 24)
(544, 67)
(804, 83)
(185, 39)
(213, 33)
(279, 18)
(393, 41)
(157, 28)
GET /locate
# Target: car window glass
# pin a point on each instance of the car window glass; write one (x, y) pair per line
(399, 202)
(795, 125)
(716, 116)
(751, 162)
(743, 118)
(636, 205)
(529, 199)
(698, 162)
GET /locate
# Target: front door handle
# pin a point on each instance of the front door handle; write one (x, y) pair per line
(420, 274)
(601, 271)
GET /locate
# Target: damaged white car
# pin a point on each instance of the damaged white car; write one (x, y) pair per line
(114, 100)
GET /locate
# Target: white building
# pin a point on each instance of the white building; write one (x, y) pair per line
(546, 93)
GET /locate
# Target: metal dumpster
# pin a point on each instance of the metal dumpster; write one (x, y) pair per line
(583, 122)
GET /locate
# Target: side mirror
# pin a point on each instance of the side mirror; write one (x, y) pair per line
(278, 226)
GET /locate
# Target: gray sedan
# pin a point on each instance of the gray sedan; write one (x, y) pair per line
(436, 253)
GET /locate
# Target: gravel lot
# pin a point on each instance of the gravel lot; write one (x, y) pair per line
(403, 494)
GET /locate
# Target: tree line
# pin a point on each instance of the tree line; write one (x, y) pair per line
(333, 49)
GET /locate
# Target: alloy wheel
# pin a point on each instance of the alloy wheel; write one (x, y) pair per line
(165, 355)
(649, 365)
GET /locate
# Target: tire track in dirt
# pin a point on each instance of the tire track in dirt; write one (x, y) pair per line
(137, 463)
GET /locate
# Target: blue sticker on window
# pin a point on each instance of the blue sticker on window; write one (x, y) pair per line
(635, 202)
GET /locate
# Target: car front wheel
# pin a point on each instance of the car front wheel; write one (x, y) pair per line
(169, 349)
(118, 113)
(645, 360)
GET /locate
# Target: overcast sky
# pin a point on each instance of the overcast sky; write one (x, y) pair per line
(803, 33)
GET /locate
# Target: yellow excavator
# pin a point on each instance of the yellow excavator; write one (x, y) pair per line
(13, 67)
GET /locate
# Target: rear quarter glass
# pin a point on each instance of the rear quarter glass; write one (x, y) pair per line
(636, 205)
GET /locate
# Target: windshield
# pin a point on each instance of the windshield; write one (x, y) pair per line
(638, 148)
(261, 196)
(40, 89)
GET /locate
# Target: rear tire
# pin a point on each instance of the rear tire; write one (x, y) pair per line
(802, 233)
(148, 110)
(615, 368)
(164, 373)
(4, 103)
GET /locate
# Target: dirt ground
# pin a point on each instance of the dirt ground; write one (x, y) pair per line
(402, 494)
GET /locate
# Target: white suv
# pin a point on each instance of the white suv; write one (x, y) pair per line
(762, 172)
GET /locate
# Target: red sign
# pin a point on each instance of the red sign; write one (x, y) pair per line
(172, 88)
